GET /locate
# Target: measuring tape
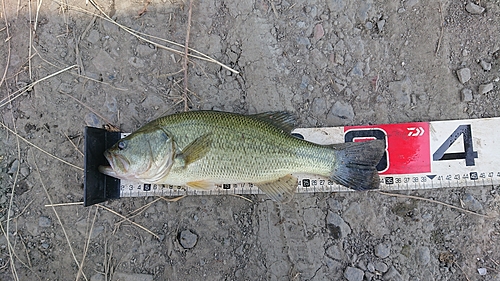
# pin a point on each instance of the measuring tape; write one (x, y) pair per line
(419, 155)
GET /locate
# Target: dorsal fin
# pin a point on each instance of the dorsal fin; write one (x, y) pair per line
(280, 119)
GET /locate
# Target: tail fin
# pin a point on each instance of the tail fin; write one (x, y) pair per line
(355, 164)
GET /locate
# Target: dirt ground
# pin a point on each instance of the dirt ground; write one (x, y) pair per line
(330, 62)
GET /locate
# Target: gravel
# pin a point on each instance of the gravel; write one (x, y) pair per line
(188, 239)
(463, 75)
(383, 250)
(44, 222)
(474, 9)
(485, 88)
(423, 255)
(353, 274)
(485, 65)
(466, 94)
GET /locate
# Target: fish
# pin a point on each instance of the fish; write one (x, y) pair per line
(203, 149)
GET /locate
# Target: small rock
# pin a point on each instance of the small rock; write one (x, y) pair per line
(463, 75)
(13, 167)
(401, 91)
(423, 255)
(341, 112)
(44, 222)
(380, 25)
(144, 50)
(380, 266)
(485, 88)
(383, 250)
(482, 271)
(335, 252)
(353, 274)
(303, 41)
(318, 107)
(92, 120)
(392, 275)
(65, 88)
(97, 277)
(103, 61)
(485, 65)
(474, 9)
(466, 94)
(370, 267)
(319, 32)
(337, 226)
(111, 103)
(93, 36)
(471, 203)
(136, 62)
(188, 239)
(338, 85)
(132, 276)
(369, 25)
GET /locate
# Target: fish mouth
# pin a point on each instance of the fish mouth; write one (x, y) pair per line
(118, 165)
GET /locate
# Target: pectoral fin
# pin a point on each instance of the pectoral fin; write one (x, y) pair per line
(195, 150)
(281, 190)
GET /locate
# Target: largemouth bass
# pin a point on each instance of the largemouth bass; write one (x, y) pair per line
(201, 149)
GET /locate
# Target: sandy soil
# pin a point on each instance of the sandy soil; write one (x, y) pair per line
(331, 62)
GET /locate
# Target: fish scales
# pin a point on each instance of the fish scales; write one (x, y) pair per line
(243, 149)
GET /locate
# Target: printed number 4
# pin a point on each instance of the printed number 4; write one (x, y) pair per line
(469, 154)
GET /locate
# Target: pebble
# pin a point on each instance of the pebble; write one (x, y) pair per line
(380, 25)
(92, 120)
(341, 112)
(188, 239)
(103, 61)
(482, 271)
(319, 107)
(474, 9)
(137, 62)
(485, 88)
(97, 277)
(353, 274)
(93, 36)
(392, 275)
(380, 266)
(471, 203)
(132, 276)
(335, 252)
(338, 227)
(485, 65)
(423, 255)
(401, 91)
(303, 41)
(319, 32)
(338, 85)
(466, 94)
(144, 50)
(44, 222)
(463, 75)
(383, 250)
(13, 167)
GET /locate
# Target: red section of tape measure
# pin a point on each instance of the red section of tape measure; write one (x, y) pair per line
(407, 145)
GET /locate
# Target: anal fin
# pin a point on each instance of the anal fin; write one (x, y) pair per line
(280, 190)
(200, 185)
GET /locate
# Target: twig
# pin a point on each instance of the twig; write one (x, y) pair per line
(134, 223)
(186, 51)
(89, 108)
(436, 202)
(7, 236)
(24, 89)
(80, 269)
(74, 145)
(63, 204)
(442, 28)
(32, 144)
(138, 34)
(57, 216)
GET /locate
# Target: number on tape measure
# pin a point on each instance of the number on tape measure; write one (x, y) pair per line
(469, 154)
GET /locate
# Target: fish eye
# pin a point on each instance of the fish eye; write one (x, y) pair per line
(122, 144)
